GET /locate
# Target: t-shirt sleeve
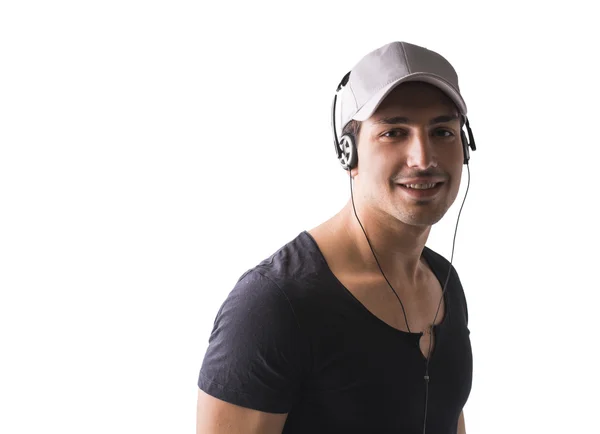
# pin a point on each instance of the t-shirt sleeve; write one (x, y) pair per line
(462, 296)
(255, 356)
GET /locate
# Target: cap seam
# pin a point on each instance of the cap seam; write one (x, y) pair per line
(348, 88)
(406, 57)
(353, 96)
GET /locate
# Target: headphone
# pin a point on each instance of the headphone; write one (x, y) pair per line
(345, 147)
(347, 155)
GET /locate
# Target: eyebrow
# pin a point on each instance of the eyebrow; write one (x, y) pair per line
(404, 120)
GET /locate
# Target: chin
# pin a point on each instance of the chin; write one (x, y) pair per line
(425, 212)
(422, 222)
(422, 217)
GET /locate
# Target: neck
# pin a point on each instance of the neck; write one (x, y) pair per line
(397, 245)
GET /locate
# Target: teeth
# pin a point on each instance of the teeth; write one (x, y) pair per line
(420, 186)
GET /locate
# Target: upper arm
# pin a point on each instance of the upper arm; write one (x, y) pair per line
(461, 423)
(256, 354)
(219, 417)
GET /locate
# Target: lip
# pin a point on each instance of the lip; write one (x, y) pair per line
(420, 181)
(421, 194)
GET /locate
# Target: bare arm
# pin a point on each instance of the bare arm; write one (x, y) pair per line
(461, 423)
(219, 417)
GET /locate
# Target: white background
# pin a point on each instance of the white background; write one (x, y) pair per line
(153, 151)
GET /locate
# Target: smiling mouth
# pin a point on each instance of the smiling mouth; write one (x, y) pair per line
(421, 186)
(421, 191)
(427, 186)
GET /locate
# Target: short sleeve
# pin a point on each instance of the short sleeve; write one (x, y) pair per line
(254, 357)
(463, 297)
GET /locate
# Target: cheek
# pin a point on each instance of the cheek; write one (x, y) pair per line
(376, 164)
(452, 162)
(456, 177)
(459, 170)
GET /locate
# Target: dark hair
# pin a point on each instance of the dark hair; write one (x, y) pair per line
(353, 128)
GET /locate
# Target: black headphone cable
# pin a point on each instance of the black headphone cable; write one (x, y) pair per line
(426, 377)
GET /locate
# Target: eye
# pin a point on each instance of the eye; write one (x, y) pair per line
(393, 134)
(444, 133)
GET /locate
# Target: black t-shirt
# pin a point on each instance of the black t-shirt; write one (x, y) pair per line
(290, 338)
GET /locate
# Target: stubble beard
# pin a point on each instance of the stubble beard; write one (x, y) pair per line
(422, 212)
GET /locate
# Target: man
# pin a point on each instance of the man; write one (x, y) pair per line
(355, 326)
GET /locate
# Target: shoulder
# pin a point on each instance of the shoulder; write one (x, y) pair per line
(438, 262)
(255, 301)
(297, 271)
(298, 258)
(273, 289)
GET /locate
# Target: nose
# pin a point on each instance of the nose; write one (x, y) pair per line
(420, 151)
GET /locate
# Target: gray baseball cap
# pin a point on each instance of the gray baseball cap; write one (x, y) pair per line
(380, 71)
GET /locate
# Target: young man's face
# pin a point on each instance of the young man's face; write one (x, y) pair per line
(415, 133)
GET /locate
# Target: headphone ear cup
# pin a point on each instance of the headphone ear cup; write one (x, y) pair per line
(348, 156)
(465, 146)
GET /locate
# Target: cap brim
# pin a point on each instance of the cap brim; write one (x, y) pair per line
(367, 110)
